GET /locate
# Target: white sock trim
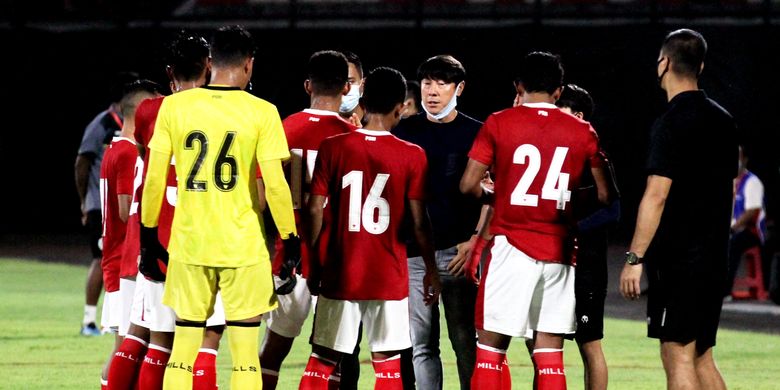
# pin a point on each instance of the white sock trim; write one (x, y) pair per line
(270, 372)
(103, 382)
(491, 349)
(159, 348)
(136, 339)
(90, 314)
(318, 357)
(208, 350)
(547, 350)
(388, 359)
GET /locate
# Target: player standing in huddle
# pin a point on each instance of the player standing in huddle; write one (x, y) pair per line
(187, 68)
(326, 84)
(446, 134)
(538, 153)
(98, 134)
(350, 108)
(590, 283)
(369, 189)
(117, 173)
(218, 134)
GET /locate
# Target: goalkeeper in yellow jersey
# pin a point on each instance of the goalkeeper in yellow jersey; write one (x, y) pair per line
(218, 134)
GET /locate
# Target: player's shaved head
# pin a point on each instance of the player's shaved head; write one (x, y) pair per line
(686, 50)
(383, 89)
(231, 46)
(187, 56)
(541, 72)
(136, 92)
(328, 72)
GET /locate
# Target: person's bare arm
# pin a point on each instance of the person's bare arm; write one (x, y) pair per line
(472, 177)
(746, 220)
(602, 184)
(650, 210)
(455, 266)
(422, 236)
(261, 194)
(81, 172)
(124, 201)
(316, 203)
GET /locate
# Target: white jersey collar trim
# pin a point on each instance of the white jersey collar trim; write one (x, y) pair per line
(373, 132)
(540, 105)
(320, 112)
(115, 139)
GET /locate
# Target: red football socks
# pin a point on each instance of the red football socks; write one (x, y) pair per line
(488, 368)
(103, 384)
(123, 371)
(549, 372)
(388, 374)
(270, 378)
(153, 368)
(317, 373)
(506, 376)
(204, 371)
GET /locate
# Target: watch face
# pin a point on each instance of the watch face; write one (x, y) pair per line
(632, 258)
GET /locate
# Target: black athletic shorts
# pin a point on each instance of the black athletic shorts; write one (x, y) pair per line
(590, 285)
(684, 300)
(95, 231)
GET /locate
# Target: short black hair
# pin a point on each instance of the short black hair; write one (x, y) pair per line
(413, 92)
(187, 55)
(686, 49)
(353, 58)
(328, 72)
(442, 67)
(118, 83)
(231, 45)
(577, 99)
(135, 92)
(383, 89)
(541, 72)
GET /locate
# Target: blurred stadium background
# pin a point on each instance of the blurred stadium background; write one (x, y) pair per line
(59, 55)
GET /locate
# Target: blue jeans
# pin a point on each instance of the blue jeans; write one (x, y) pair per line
(459, 298)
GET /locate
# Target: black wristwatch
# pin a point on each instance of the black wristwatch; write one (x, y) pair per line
(633, 259)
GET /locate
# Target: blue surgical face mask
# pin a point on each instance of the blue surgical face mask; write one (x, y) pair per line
(350, 100)
(447, 109)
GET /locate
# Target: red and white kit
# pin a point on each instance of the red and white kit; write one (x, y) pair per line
(368, 177)
(538, 154)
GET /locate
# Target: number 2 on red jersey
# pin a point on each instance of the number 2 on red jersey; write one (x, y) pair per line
(556, 183)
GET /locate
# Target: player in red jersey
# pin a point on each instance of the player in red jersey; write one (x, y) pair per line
(305, 130)
(117, 172)
(538, 154)
(371, 179)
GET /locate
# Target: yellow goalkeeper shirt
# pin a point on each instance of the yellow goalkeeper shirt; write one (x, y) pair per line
(217, 135)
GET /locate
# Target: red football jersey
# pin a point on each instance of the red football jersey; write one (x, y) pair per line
(145, 118)
(116, 178)
(132, 246)
(538, 154)
(305, 131)
(368, 177)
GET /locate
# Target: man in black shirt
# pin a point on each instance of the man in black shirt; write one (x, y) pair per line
(446, 136)
(682, 227)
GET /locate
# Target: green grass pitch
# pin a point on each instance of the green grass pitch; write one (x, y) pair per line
(41, 307)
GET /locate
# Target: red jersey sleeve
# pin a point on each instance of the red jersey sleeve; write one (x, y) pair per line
(321, 175)
(418, 177)
(125, 174)
(597, 158)
(484, 147)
